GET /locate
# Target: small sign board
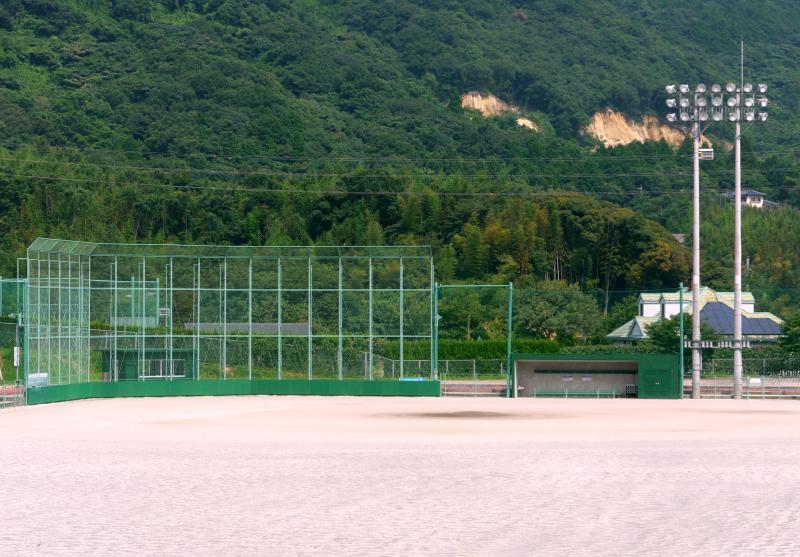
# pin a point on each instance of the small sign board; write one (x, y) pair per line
(706, 154)
(16, 356)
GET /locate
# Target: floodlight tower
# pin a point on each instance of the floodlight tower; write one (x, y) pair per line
(745, 109)
(693, 106)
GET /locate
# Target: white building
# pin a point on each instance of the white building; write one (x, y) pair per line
(716, 311)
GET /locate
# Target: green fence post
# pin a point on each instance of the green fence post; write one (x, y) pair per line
(402, 359)
(510, 332)
(435, 348)
(280, 323)
(310, 313)
(680, 342)
(339, 356)
(250, 319)
(197, 325)
(369, 360)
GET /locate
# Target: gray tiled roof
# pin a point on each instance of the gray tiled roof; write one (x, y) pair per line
(719, 317)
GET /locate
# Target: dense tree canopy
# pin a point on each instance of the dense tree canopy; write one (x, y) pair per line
(236, 121)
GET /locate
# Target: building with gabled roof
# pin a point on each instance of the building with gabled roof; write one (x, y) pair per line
(716, 311)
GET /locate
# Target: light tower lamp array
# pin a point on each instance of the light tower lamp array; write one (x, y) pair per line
(743, 103)
(698, 106)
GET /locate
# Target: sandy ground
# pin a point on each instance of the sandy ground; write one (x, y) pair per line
(397, 476)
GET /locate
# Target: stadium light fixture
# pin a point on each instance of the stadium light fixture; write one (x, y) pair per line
(735, 103)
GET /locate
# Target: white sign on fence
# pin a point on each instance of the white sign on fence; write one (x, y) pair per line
(16, 356)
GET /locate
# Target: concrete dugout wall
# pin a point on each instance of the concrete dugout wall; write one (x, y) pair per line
(654, 375)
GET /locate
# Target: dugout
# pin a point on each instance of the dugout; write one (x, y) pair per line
(150, 364)
(596, 375)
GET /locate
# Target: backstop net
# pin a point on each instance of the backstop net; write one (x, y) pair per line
(129, 312)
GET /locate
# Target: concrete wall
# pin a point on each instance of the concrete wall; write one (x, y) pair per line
(575, 376)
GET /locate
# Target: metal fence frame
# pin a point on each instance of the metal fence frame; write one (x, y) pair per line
(316, 309)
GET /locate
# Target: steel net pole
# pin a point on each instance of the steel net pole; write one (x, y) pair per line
(197, 324)
(509, 334)
(402, 362)
(309, 316)
(369, 359)
(280, 323)
(339, 356)
(250, 320)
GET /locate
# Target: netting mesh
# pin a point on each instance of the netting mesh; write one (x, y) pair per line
(129, 313)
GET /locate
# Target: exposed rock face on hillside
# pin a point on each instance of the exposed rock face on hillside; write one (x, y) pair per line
(613, 129)
(489, 105)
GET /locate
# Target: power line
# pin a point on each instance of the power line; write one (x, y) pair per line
(330, 174)
(551, 193)
(279, 158)
(407, 193)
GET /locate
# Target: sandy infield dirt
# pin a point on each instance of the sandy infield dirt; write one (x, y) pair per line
(400, 476)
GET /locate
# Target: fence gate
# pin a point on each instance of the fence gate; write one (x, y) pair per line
(472, 349)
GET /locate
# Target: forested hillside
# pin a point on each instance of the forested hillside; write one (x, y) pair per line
(317, 121)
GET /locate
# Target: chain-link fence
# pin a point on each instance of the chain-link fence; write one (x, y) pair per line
(474, 339)
(118, 312)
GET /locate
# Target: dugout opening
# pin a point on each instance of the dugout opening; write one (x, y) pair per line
(596, 376)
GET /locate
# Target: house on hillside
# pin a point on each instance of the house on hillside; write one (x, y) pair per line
(716, 311)
(753, 198)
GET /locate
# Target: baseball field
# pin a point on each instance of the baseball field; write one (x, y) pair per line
(398, 476)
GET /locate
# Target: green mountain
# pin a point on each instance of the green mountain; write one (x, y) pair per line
(242, 121)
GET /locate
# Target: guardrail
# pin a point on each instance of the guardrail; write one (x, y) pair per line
(764, 387)
(577, 393)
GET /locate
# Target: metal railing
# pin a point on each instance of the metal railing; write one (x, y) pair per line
(11, 394)
(779, 386)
